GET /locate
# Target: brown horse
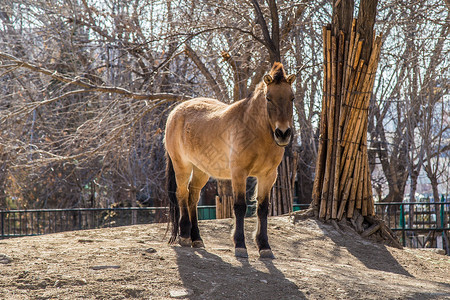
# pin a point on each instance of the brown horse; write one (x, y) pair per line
(205, 137)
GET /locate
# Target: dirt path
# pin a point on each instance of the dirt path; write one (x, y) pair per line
(314, 261)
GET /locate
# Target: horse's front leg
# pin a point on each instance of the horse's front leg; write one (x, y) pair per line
(240, 208)
(262, 241)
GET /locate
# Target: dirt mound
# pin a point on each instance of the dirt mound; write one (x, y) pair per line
(314, 261)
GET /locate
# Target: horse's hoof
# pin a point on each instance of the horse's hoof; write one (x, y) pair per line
(185, 242)
(198, 244)
(266, 253)
(240, 252)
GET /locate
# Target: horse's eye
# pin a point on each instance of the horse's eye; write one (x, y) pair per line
(267, 98)
(293, 99)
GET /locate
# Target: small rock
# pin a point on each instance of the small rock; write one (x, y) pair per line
(222, 249)
(23, 274)
(263, 281)
(59, 283)
(85, 241)
(81, 281)
(150, 250)
(5, 259)
(180, 293)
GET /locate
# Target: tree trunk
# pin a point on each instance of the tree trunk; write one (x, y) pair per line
(224, 200)
(3, 173)
(437, 206)
(412, 197)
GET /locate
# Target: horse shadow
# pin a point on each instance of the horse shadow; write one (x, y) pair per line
(207, 276)
(373, 256)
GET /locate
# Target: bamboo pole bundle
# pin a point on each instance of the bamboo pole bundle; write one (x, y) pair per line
(342, 184)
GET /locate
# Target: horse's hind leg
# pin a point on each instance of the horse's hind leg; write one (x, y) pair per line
(183, 174)
(198, 180)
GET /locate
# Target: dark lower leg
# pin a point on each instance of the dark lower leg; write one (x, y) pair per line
(185, 223)
(240, 208)
(261, 231)
(195, 232)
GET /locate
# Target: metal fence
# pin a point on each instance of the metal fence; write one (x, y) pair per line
(29, 222)
(420, 224)
(17, 223)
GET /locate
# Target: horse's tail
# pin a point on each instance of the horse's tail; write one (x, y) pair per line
(174, 209)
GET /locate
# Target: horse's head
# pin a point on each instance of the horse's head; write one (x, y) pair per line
(280, 97)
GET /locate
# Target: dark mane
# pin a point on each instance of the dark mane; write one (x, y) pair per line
(278, 74)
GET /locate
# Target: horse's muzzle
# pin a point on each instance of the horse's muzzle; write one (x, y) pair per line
(282, 138)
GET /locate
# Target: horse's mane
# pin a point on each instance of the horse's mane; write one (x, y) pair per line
(278, 74)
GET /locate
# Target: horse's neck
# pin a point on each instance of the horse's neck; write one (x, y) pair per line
(256, 112)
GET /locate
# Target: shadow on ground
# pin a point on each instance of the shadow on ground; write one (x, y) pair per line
(207, 276)
(375, 257)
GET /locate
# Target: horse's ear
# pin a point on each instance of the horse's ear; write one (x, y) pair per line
(268, 79)
(290, 79)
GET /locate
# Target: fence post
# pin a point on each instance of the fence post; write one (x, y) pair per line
(442, 212)
(402, 223)
(80, 226)
(2, 221)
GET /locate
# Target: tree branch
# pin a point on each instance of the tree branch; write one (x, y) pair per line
(89, 87)
(268, 42)
(204, 70)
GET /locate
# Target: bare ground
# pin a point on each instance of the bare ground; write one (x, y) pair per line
(314, 261)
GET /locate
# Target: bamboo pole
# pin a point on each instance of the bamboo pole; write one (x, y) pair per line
(284, 187)
(318, 181)
(334, 115)
(346, 193)
(278, 204)
(348, 55)
(352, 195)
(356, 179)
(365, 194)
(337, 133)
(324, 196)
(218, 208)
(370, 203)
(331, 112)
(359, 193)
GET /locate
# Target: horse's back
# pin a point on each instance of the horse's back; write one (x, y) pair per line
(201, 111)
(199, 106)
(197, 131)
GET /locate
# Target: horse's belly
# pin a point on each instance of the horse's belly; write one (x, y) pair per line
(213, 162)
